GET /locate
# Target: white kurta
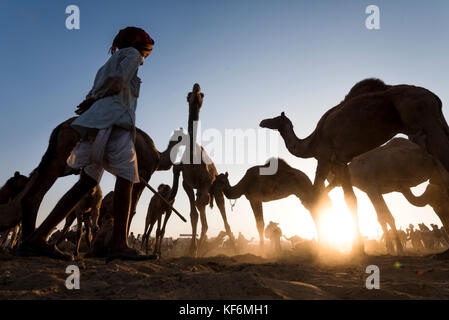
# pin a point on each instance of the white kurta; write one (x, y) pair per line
(118, 109)
(114, 116)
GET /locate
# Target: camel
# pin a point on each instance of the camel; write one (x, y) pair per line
(242, 242)
(86, 213)
(8, 192)
(370, 115)
(195, 100)
(395, 167)
(12, 187)
(294, 240)
(53, 165)
(258, 188)
(213, 244)
(199, 175)
(101, 240)
(157, 208)
(435, 195)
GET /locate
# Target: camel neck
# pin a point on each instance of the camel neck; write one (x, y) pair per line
(175, 184)
(419, 201)
(297, 147)
(165, 162)
(234, 192)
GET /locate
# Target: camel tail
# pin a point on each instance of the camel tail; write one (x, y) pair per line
(211, 200)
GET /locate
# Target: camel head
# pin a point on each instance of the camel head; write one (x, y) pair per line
(13, 187)
(221, 182)
(276, 123)
(436, 196)
(163, 189)
(195, 100)
(179, 136)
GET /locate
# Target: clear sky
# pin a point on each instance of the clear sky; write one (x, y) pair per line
(253, 59)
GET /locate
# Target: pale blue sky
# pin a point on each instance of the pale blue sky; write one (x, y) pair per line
(253, 59)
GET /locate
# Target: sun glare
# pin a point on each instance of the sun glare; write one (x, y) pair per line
(338, 225)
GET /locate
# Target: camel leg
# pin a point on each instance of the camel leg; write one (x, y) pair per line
(193, 218)
(68, 222)
(88, 235)
(158, 234)
(384, 217)
(136, 193)
(322, 171)
(445, 221)
(145, 232)
(351, 202)
(17, 236)
(204, 226)
(32, 200)
(94, 219)
(62, 209)
(4, 237)
(79, 235)
(219, 199)
(167, 216)
(258, 215)
(14, 236)
(202, 200)
(147, 242)
(63, 140)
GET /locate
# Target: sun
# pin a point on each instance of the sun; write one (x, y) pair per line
(337, 228)
(337, 224)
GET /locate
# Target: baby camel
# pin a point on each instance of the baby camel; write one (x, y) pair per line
(87, 213)
(157, 208)
(259, 188)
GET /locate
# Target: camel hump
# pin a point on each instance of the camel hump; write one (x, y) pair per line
(280, 161)
(370, 85)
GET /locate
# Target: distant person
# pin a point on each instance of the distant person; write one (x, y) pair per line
(274, 233)
(107, 128)
(132, 239)
(403, 237)
(427, 236)
(438, 235)
(242, 242)
(415, 238)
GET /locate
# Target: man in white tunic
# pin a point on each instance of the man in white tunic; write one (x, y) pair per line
(107, 129)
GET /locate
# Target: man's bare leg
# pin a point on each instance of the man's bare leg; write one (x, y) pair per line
(36, 243)
(122, 204)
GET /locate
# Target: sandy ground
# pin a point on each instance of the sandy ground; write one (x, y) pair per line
(292, 275)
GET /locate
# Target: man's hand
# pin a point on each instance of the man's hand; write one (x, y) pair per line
(83, 106)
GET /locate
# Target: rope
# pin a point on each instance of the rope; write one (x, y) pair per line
(232, 204)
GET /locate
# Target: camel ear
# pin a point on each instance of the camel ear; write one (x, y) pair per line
(226, 174)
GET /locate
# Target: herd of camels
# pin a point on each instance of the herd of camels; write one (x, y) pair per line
(353, 144)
